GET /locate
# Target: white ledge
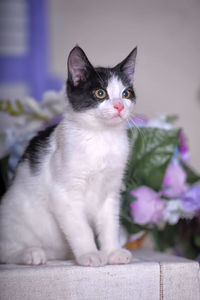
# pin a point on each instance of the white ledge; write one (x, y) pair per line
(150, 276)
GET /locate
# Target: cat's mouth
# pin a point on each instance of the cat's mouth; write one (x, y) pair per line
(117, 118)
(118, 115)
(113, 118)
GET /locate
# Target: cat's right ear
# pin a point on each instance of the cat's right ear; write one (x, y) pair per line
(127, 66)
(78, 66)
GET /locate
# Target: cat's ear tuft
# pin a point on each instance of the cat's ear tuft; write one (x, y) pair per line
(78, 66)
(127, 66)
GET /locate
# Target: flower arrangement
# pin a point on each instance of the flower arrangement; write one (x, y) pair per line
(160, 193)
(21, 120)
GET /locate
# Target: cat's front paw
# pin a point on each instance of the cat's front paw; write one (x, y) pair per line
(33, 256)
(120, 256)
(92, 259)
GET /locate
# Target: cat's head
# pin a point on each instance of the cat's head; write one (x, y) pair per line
(101, 95)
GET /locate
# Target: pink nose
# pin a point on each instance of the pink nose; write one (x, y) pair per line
(119, 106)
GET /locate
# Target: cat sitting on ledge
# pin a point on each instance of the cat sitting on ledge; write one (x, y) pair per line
(66, 190)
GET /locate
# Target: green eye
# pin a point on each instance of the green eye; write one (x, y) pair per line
(100, 94)
(126, 94)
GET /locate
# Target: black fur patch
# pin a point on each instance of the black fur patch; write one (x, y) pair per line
(84, 79)
(37, 148)
(117, 72)
(82, 96)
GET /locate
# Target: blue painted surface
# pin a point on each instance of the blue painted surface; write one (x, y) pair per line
(32, 68)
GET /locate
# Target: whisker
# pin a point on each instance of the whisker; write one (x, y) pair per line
(130, 126)
(138, 128)
(99, 76)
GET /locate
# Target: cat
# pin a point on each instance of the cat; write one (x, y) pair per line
(64, 201)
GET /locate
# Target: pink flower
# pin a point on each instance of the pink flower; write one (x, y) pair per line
(148, 206)
(174, 182)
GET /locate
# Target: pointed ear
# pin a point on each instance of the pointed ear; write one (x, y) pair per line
(78, 66)
(127, 66)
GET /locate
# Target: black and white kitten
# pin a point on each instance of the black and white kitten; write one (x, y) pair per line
(67, 185)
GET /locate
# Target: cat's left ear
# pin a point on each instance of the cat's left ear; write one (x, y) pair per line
(78, 66)
(127, 66)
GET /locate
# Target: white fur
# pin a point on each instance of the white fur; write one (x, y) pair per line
(55, 213)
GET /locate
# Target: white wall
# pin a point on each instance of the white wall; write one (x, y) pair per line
(168, 37)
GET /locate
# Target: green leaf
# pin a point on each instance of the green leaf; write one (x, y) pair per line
(19, 106)
(197, 240)
(10, 107)
(152, 150)
(127, 200)
(165, 238)
(172, 118)
(129, 224)
(192, 177)
(126, 218)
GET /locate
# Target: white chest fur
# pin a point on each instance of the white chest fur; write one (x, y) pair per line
(89, 152)
(92, 162)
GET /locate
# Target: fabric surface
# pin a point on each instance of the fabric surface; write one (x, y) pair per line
(150, 276)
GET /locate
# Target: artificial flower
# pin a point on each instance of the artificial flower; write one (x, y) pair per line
(148, 206)
(183, 148)
(160, 123)
(174, 183)
(191, 199)
(173, 211)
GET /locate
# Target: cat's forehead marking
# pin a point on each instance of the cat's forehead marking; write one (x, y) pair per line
(115, 87)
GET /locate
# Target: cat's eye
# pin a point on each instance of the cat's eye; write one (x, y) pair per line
(100, 93)
(126, 94)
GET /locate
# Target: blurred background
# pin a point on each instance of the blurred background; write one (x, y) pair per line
(37, 35)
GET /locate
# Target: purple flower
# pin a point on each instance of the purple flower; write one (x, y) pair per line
(148, 206)
(191, 199)
(183, 148)
(140, 120)
(174, 183)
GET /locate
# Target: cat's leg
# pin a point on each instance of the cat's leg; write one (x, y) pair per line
(73, 222)
(26, 256)
(108, 232)
(81, 239)
(31, 256)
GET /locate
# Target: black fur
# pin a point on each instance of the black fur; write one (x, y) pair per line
(82, 96)
(38, 147)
